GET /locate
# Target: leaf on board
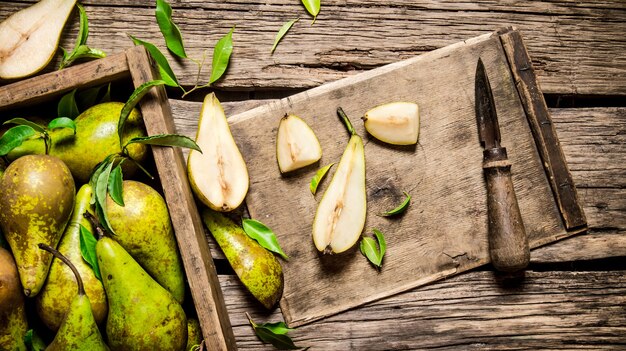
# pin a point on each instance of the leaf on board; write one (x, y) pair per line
(263, 235)
(312, 7)
(274, 333)
(132, 101)
(373, 252)
(318, 177)
(400, 208)
(171, 32)
(221, 56)
(164, 67)
(282, 31)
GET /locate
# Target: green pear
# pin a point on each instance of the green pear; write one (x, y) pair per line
(13, 323)
(96, 137)
(53, 301)
(35, 205)
(340, 215)
(29, 38)
(143, 227)
(78, 330)
(194, 334)
(142, 314)
(257, 268)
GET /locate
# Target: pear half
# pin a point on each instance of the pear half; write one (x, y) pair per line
(340, 215)
(395, 123)
(218, 175)
(296, 144)
(29, 38)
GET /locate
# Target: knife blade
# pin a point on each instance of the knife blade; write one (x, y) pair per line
(508, 243)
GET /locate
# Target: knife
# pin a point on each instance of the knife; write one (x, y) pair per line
(508, 244)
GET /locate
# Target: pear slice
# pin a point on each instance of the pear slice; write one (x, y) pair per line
(395, 123)
(296, 144)
(340, 216)
(29, 38)
(218, 175)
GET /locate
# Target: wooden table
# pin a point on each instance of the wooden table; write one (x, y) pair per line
(574, 293)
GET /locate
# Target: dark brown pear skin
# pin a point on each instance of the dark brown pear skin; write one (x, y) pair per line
(13, 323)
(36, 202)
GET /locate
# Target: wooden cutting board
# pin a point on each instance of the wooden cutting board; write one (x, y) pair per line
(444, 230)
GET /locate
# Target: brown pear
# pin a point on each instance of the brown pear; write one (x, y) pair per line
(13, 324)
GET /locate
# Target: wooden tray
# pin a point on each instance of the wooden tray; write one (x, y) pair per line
(136, 65)
(444, 230)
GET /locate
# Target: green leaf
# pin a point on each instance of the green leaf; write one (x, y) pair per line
(25, 122)
(313, 7)
(107, 95)
(281, 33)
(134, 98)
(62, 122)
(166, 140)
(273, 333)
(82, 52)
(401, 208)
(14, 137)
(33, 341)
(115, 184)
(102, 185)
(318, 177)
(67, 106)
(164, 67)
(371, 251)
(263, 235)
(221, 56)
(170, 31)
(88, 97)
(83, 31)
(88, 250)
(96, 174)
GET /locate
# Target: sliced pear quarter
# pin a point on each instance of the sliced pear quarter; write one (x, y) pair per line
(218, 175)
(395, 123)
(340, 215)
(296, 144)
(29, 38)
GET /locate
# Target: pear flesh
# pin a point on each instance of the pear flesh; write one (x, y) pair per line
(29, 38)
(341, 213)
(218, 175)
(296, 144)
(395, 123)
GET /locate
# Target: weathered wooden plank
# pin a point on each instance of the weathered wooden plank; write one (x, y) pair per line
(549, 310)
(576, 47)
(591, 246)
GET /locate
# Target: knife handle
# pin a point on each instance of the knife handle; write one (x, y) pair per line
(508, 244)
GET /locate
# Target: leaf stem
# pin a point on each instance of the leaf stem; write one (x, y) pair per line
(46, 141)
(57, 254)
(346, 121)
(100, 232)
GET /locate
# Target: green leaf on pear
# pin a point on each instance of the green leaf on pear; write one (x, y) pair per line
(263, 235)
(24, 122)
(373, 252)
(62, 122)
(132, 101)
(221, 56)
(67, 106)
(312, 7)
(33, 341)
(400, 208)
(171, 32)
(164, 67)
(318, 177)
(14, 137)
(88, 97)
(101, 190)
(274, 333)
(166, 140)
(282, 31)
(88, 250)
(116, 179)
(107, 95)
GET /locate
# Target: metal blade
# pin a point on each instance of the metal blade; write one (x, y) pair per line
(486, 116)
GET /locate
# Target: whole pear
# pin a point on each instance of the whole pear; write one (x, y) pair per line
(96, 137)
(257, 268)
(194, 334)
(35, 205)
(142, 314)
(143, 228)
(13, 323)
(54, 299)
(78, 330)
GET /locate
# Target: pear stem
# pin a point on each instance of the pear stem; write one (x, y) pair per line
(94, 222)
(57, 254)
(346, 121)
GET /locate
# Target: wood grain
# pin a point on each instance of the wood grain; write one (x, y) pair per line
(472, 311)
(576, 47)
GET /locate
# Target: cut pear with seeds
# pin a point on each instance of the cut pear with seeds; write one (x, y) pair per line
(29, 38)
(296, 144)
(218, 175)
(395, 123)
(340, 216)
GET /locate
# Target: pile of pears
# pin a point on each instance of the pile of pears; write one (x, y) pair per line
(136, 302)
